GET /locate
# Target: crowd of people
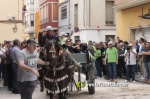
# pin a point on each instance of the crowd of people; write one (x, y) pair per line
(116, 58)
(113, 59)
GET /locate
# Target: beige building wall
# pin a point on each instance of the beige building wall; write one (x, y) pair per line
(11, 8)
(60, 1)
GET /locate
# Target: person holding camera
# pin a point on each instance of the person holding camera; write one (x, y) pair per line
(130, 54)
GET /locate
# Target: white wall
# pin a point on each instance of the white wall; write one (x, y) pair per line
(139, 34)
(31, 8)
(64, 24)
(97, 17)
(94, 35)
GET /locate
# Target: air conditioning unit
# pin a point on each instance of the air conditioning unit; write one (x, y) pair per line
(11, 17)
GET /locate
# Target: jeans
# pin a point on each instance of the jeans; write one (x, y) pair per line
(98, 68)
(95, 72)
(131, 72)
(112, 70)
(147, 67)
(1, 70)
(15, 82)
(26, 89)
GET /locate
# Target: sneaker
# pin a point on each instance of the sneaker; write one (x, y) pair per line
(126, 80)
(111, 80)
(142, 78)
(115, 80)
(133, 81)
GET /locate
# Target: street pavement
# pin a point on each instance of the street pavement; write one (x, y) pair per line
(104, 90)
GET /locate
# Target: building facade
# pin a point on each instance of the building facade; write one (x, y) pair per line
(48, 14)
(31, 6)
(130, 26)
(11, 20)
(95, 19)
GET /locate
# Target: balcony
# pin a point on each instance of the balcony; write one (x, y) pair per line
(118, 2)
(45, 20)
(29, 30)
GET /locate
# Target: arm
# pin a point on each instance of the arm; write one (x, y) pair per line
(134, 52)
(116, 56)
(42, 62)
(22, 66)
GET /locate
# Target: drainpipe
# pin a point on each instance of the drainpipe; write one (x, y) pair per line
(69, 24)
(89, 13)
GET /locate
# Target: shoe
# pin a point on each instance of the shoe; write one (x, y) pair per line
(115, 80)
(142, 78)
(15, 92)
(126, 80)
(5, 84)
(133, 81)
(111, 80)
(10, 89)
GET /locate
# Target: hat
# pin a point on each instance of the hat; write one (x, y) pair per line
(110, 43)
(121, 43)
(48, 28)
(69, 40)
(130, 44)
(63, 33)
(30, 41)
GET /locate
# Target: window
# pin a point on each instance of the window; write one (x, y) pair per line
(27, 1)
(76, 15)
(64, 12)
(47, 13)
(32, 19)
(76, 38)
(55, 12)
(109, 13)
(26, 24)
(32, 1)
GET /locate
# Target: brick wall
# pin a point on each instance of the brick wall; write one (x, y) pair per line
(118, 2)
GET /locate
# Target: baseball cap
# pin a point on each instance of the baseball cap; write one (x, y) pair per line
(48, 28)
(32, 42)
(110, 43)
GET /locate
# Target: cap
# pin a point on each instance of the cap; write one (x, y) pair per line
(63, 33)
(130, 44)
(48, 28)
(110, 43)
(69, 40)
(121, 43)
(32, 42)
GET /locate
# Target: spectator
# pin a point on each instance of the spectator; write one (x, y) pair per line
(130, 55)
(98, 60)
(112, 56)
(120, 61)
(146, 60)
(14, 53)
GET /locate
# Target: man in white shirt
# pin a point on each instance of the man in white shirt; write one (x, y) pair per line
(130, 55)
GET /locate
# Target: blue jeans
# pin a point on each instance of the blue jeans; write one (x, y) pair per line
(131, 72)
(15, 82)
(112, 70)
(147, 67)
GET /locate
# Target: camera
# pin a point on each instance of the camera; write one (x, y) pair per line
(128, 47)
